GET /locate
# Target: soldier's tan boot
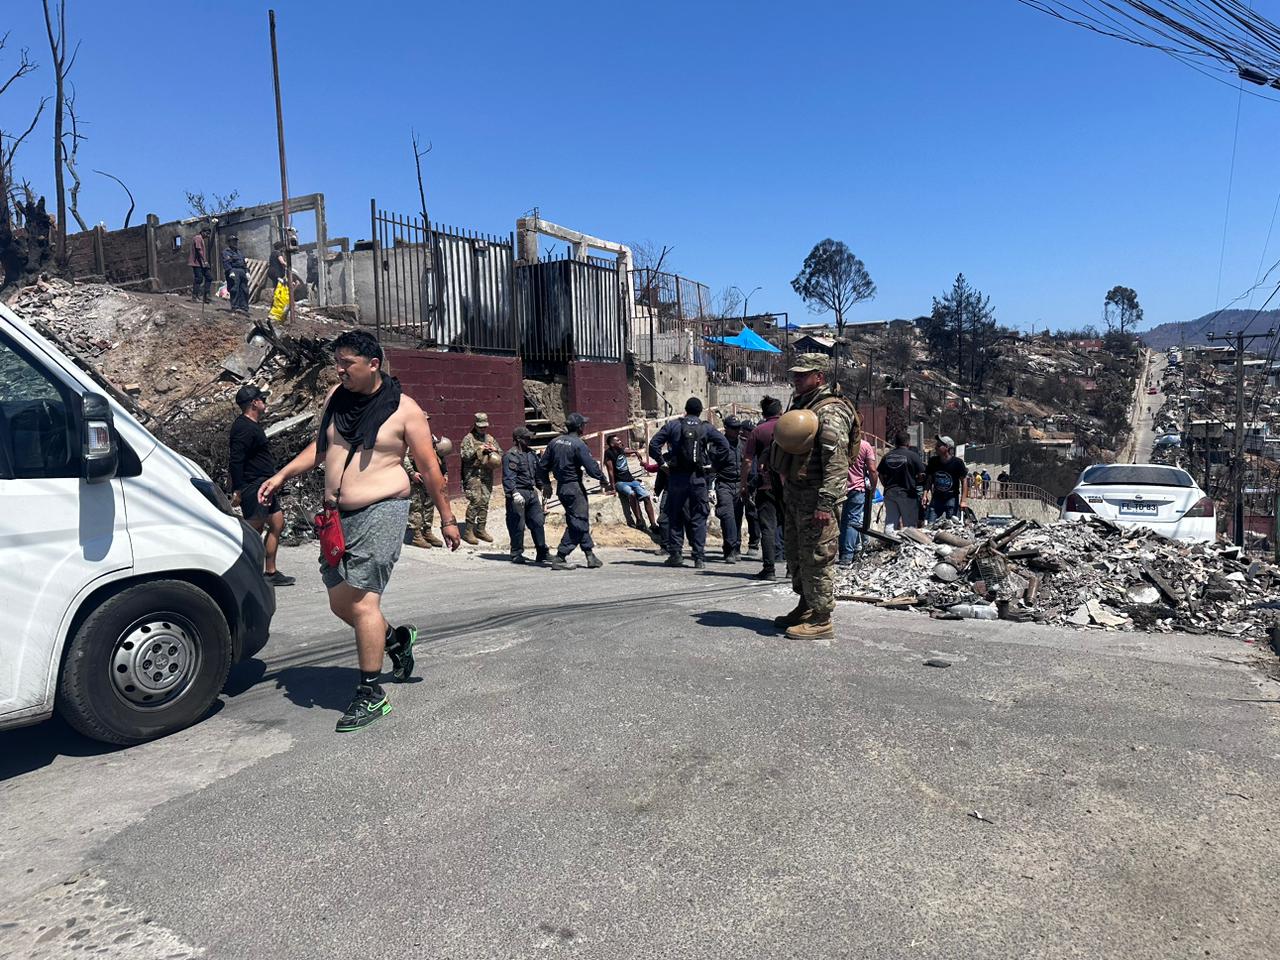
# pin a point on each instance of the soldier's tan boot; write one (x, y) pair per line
(469, 536)
(812, 629)
(420, 541)
(483, 534)
(432, 539)
(800, 614)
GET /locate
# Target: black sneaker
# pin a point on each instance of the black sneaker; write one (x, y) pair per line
(594, 562)
(367, 706)
(767, 572)
(400, 650)
(518, 558)
(559, 563)
(699, 563)
(278, 579)
(674, 560)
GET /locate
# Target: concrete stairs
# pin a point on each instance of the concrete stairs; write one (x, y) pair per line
(543, 431)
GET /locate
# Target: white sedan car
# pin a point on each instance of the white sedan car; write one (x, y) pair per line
(1162, 498)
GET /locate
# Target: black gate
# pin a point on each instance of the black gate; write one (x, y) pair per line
(451, 290)
(569, 309)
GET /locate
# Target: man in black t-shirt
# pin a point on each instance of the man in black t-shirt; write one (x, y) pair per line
(618, 464)
(899, 471)
(250, 462)
(946, 480)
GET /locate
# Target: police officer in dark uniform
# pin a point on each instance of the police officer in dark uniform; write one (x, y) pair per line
(694, 445)
(728, 474)
(566, 458)
(524, 501)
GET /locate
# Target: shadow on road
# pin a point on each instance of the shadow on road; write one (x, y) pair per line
(762, 626)
(326, 687)
(30, 748)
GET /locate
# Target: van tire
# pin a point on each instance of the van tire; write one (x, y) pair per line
(89, 698)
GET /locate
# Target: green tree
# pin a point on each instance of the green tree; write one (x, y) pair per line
(1121, 309)
(959, 332)
(833, 280)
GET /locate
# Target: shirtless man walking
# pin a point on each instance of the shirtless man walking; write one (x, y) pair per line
(367, 426)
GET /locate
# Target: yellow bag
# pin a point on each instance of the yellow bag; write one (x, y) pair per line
(280, 304)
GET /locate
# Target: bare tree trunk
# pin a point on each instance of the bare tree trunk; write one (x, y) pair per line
(76, 137)
(58, 50)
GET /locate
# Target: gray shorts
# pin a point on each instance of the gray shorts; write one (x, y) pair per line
(374, 536)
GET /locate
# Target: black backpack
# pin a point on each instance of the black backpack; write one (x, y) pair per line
(691, 454)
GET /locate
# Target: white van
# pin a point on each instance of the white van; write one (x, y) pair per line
(128, 586)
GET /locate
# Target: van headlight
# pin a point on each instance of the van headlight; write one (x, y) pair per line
(213, 493)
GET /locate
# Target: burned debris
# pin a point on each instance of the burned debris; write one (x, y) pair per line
(1090, 574)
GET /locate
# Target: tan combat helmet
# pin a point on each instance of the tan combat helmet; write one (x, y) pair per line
(796, 431)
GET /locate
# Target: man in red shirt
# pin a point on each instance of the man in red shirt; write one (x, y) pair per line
(760, 481)
(198, 261)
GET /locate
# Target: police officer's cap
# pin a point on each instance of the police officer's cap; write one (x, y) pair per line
(732, 423)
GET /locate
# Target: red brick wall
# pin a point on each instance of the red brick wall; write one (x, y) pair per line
(598, 391)
(453, 386)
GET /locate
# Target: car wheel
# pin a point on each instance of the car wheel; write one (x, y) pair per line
(147, 662)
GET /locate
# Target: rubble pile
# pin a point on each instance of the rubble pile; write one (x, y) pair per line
(177, 365)
(1088, 574)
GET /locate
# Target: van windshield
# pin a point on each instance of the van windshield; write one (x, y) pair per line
(1135, 474)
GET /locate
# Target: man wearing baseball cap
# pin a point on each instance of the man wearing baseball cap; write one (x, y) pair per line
(946, 482)
(249, 462)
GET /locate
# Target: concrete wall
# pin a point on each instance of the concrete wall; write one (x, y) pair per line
(361, 267)
(748, 395)
(452, 387)
(676, 381)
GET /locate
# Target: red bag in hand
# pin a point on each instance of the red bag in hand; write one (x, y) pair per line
(328, 524)
(333, 542)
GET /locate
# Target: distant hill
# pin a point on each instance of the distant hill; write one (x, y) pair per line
(1198, 330)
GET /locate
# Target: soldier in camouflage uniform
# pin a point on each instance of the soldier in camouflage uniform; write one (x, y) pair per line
(477, 479)
(814, 486)
(422, 509)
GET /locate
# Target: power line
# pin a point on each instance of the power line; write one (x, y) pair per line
(1231, 179)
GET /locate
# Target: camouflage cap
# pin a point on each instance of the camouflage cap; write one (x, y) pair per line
(810, 363)
(482, 420)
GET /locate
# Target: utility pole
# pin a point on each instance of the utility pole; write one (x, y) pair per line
(1237, 465)
(284, 170)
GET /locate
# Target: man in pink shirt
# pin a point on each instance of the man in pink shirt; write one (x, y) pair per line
(863, 481)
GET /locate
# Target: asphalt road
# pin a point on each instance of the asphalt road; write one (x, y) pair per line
(1143, 438)
(632, 762)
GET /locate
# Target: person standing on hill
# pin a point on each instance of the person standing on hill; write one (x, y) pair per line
(198, 261)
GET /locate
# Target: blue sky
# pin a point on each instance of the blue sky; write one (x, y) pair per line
(934, 137)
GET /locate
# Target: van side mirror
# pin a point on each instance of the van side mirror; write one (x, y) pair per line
(100, 454)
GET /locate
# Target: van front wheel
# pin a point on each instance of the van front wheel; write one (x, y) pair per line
(150, 660)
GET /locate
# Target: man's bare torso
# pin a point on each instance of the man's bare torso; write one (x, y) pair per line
(373, 475)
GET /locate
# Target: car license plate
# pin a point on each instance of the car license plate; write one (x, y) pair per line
(1139, 509)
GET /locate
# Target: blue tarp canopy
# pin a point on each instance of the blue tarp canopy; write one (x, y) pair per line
(748, 339)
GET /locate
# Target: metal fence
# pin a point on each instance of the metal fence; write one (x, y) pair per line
(443, 287)
(669, 318)
(569, 309)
